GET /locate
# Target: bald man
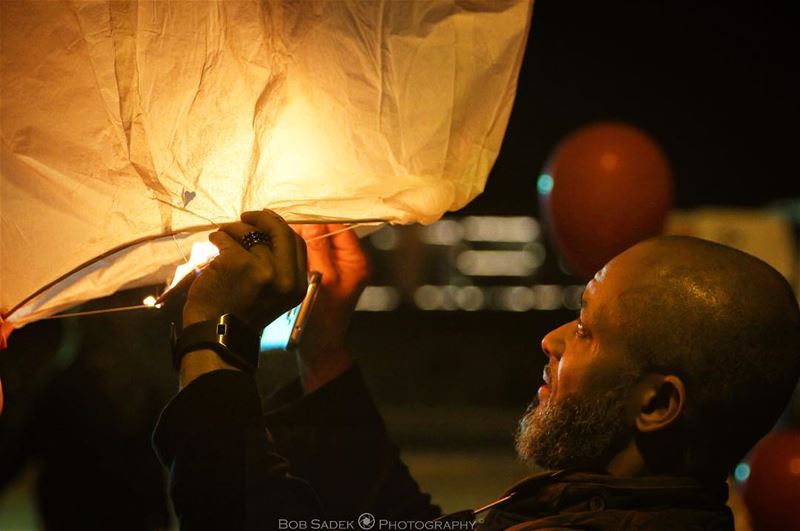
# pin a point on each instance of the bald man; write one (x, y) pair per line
(683, 355)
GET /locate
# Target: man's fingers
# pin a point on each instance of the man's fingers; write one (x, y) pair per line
(318, 243)
(315, 235)
(302, 228)
(348, 251)
(302, 258)
(284, 249)
(302, 267)
(343, 237)
(238, 230)
(224, 241)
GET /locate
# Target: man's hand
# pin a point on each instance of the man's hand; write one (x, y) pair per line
(5, 330)
(256, 285)
(344, 267)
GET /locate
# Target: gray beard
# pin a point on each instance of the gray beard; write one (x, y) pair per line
(577, 432)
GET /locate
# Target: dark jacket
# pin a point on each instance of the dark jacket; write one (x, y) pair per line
(578, 500)
(327, 457)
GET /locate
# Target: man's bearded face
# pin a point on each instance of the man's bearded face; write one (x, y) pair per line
(577, 431)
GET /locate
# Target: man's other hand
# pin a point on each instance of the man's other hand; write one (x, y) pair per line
(337, 254)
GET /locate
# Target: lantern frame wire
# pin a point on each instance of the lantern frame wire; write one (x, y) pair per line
(350, 226)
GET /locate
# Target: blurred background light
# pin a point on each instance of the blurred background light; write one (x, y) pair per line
(501, 229)
(429, 297)
(547, 297)
(384, 239)
(470, 298)
(443, 232)
(571, 297)
(498, 263)
(741, 472)
(378, 299)
(545, 184)
(516, 299)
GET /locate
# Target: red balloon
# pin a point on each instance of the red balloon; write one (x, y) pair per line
(606, 187)
(772, 491)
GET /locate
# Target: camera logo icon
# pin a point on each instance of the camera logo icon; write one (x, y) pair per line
(366, 521)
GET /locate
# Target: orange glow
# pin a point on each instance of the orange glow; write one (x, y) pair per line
(609, 161)
(794, 466)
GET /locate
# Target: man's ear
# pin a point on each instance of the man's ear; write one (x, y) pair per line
(662, 399)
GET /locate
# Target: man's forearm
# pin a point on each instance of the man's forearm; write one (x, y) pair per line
(224, 470)
(200, 362)
(335, 438)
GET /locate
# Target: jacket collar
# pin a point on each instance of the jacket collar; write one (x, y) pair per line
(565, 491)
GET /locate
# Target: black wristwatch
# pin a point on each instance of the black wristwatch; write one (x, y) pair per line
(230, 337)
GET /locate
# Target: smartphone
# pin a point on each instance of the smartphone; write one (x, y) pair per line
(285, 332)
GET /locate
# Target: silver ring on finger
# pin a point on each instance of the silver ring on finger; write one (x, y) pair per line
(255, 237)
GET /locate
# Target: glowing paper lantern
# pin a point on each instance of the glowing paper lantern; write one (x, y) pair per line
(130, 128)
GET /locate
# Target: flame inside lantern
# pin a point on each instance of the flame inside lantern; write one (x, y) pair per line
(201, 255)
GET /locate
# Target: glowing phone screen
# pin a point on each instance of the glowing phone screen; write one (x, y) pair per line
(276, 335)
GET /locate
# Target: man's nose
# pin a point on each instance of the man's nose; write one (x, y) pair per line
(554, 342)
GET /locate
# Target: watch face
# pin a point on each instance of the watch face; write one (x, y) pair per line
(231, 338)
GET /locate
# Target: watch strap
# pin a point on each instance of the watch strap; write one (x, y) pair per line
(231, 338)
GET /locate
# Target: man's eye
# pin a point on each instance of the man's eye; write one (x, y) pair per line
(580, 330)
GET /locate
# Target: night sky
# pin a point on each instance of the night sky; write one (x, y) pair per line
(711, 81)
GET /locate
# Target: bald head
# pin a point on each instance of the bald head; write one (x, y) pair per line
(723, 321)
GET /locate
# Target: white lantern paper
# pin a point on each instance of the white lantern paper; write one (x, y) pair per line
(130, 128)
